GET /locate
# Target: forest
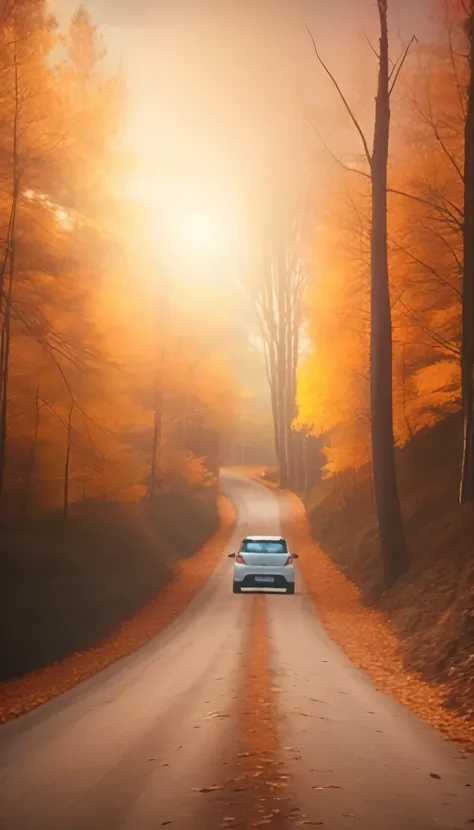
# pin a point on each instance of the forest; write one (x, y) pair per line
(124, 385)
(110, 415)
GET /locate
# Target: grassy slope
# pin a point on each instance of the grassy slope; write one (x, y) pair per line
(432, 606)
(66, 584)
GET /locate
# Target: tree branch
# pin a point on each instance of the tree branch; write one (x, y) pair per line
(336, 158)
(429, 119)
(399, 64)
(429, 268)
(343, 99)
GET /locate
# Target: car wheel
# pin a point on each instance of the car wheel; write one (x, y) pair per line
(290, 589)
(237, 589)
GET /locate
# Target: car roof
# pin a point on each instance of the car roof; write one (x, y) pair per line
(264, 539)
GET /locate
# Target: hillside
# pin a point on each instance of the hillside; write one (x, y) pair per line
(65, 584)
(432, 606)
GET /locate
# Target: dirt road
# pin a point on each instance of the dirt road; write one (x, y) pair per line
(159, 739)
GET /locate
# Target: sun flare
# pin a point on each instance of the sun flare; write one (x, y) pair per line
(203, 232)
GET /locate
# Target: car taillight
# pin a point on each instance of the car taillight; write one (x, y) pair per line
(240, 559)
(289, 561)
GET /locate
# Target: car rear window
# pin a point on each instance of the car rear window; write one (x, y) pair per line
(263, 546)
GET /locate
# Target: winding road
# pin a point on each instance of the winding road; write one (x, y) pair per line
(157, 739)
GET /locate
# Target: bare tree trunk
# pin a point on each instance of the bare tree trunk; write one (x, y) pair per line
(371, 481)
(157, 433)
(268, 305)
(290, 391)
(273, 383)
(392, 537)
(156, 449)
(467, 355)
(7, 301)
(32, 455)
(6, 255)
(278, 305)
(5, 367)
(294, 323)
(282, 371)
(305, 464)
(66, 464)
(404, 396)
(343, 490)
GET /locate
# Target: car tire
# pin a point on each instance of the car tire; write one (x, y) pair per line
(290, 589)
(236, 588)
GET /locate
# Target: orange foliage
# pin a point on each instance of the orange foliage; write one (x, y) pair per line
(85, 343)
(425, 261)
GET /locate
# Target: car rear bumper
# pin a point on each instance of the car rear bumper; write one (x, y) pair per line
(248, 576)
(264, 581)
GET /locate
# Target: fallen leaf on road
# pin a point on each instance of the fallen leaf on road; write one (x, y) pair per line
(435, 775)
(206, 789)
(364, 634)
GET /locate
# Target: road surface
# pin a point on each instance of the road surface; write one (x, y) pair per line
(134, 747)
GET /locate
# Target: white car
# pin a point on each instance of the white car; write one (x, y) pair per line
(264, 562)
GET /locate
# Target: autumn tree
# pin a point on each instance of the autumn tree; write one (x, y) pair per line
(337, 305)
(26, 39)
(425, 250)
(467, 363)
(393, 544)
(276, 292)
(55, 242)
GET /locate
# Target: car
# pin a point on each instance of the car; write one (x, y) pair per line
(264, 562)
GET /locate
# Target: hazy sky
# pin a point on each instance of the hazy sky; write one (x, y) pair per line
(214, 85)
(214, 89)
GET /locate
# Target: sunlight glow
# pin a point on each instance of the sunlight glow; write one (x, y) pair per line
(202, 231)
(201, 234)
(199, 241)
(196, 232)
